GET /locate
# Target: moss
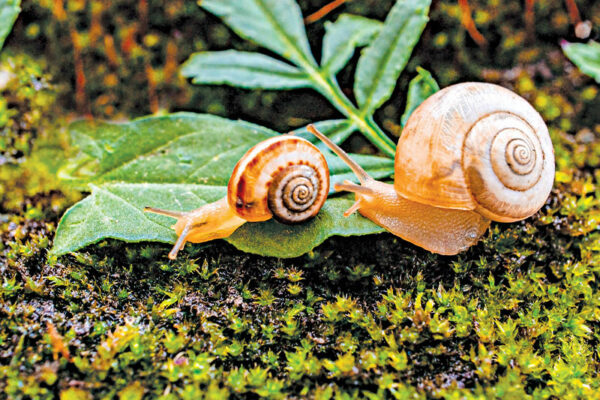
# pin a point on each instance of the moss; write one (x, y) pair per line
(516, 316)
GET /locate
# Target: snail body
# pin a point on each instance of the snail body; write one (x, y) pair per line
(284, 177)
(469, 154)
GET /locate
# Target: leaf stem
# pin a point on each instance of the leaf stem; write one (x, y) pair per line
(329, 88)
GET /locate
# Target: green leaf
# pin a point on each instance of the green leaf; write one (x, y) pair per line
(182, 148)
(271, 238)
(278, 26)
(420, 87)
(342, 37)
(585, 56)
(382, 61)
(115, 211)
(274, 24)
(243, 69)
(9, 10)
(177, 148)
(180, 162)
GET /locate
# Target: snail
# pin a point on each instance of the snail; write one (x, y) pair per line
(470, 153)
(284, 177)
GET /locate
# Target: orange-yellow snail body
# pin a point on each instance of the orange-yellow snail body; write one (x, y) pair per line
(469, 154)
(285, 177)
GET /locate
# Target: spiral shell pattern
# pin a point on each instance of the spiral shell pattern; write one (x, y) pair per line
(476, 146)
(515, 156)
(285, 177)
(503, 160)
(293, 193)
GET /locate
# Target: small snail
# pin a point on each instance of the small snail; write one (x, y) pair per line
(284, 177)
(471, 153)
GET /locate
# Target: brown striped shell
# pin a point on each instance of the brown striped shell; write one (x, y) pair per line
(285, 177)
(476, 146)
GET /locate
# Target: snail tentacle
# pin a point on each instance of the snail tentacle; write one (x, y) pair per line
(360, 173)
(180, 241)
(353, 208)
(168, 213)
(348, 186)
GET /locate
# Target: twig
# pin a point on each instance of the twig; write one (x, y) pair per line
(469, 24)
(110, 50)
(143, 29)
(574, 15)
(530, 19)
(128, 43)
(80, 81)
(81, 99)
(143, 9)
(323, 11)
(96, 31)
(170, 68)
(59, 11)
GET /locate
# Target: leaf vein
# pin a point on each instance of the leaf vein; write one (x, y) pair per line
(380, 67)
(231, 150)
(149, 152)
(129, 204)
(287, 39)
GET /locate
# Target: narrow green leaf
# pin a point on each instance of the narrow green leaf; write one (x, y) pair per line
(586, 56)
(115, 211)
(274, 24)
(181, 162)
(9, 10)
(420, 87)
(243, 69)
(382, 61)
(342, 37)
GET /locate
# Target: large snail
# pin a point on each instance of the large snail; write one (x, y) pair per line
(285, 177)
(471, 153)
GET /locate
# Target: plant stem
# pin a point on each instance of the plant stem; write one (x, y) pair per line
(329, 88)
(469, 24)
(327, 85)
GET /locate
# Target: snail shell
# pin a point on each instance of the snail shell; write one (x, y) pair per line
(471, 153)
(476, 146)
(285, 177)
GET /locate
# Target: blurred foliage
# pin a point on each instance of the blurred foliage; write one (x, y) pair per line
(586, 56)
(517, 316)
(9, 10)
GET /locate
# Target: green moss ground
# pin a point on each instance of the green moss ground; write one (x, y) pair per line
(517, 316)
